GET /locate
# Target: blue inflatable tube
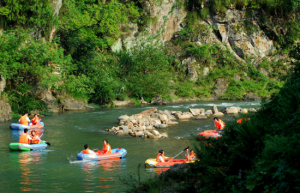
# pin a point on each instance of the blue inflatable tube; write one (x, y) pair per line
(17, 126)
(117, 153)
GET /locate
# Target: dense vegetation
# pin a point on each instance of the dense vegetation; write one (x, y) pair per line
(79, 60)
(260, 155)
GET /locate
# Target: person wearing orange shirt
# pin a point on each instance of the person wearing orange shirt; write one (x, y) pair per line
(219, 124)
(24, 120)
(25, 138)
(106, 148)
(35, 120)
(35, 139)
(190, 156)
(161, 156)
(87, 150)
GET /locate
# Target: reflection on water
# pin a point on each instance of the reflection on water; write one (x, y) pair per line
(91, 170)
(29, 180)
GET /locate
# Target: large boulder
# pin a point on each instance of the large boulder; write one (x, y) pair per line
(160, 101)
(172, 123)
(163, 119)
(232, 110)
(220, 87)
(160, 126)
(5, 111)
(214, 109)
(244, 111)
(123, 103)
(195, 112)
(149, 112)
(124, 129)
(252, 110)
(184, 116)
(123, 118)
(154, 132)
(2, 84)
(219, 114)
(72, 104)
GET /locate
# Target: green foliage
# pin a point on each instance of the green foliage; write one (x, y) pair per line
(22, 101)
(25, 63)
(145, 70)
(38, 13)
(15, 116)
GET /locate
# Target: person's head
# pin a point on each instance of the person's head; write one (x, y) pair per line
(105, 141)
(86, 146)
(34, 115)
(26, 114)
(192, 151)
(216, 119)
(33, 132)
(25, 130)
(161, 152)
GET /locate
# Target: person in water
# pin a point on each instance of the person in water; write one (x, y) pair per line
(24, 120)
(35, 139)
(87, 150)
(106, 148)
(219, 124)
(35, 120)
(161, 156)
(190, 156)
(25, 138)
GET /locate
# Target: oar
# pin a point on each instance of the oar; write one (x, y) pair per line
(179, 153)
(46, 141)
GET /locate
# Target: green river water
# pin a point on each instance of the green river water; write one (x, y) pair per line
(57, 170)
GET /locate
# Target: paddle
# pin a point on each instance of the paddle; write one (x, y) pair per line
(179, 153)
(46, 141)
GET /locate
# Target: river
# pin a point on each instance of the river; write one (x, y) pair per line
(56, 169)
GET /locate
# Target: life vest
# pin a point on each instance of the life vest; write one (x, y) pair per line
(35, 120)
(23, 120)
(35, 140)
(220, 125)
(157, 157)
(106, 148)
(86, 151)
(24, 139)
(190, 157)
(241, 120)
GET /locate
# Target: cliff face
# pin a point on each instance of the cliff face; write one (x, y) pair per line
(244, 34)
(250, 36)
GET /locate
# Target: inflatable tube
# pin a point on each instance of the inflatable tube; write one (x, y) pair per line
(27, 147)
(152, 163)
(208, 134)
(117, 153)
(17, 126)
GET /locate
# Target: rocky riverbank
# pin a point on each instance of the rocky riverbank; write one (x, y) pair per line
(146, 123)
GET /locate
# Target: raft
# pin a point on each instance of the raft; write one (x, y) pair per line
(27, 147)
(152, 163)
(17, 126)
(117, 153)
(208, 134)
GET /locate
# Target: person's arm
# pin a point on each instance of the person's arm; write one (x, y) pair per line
(186, 153)
(161, 159)
(92, 152)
